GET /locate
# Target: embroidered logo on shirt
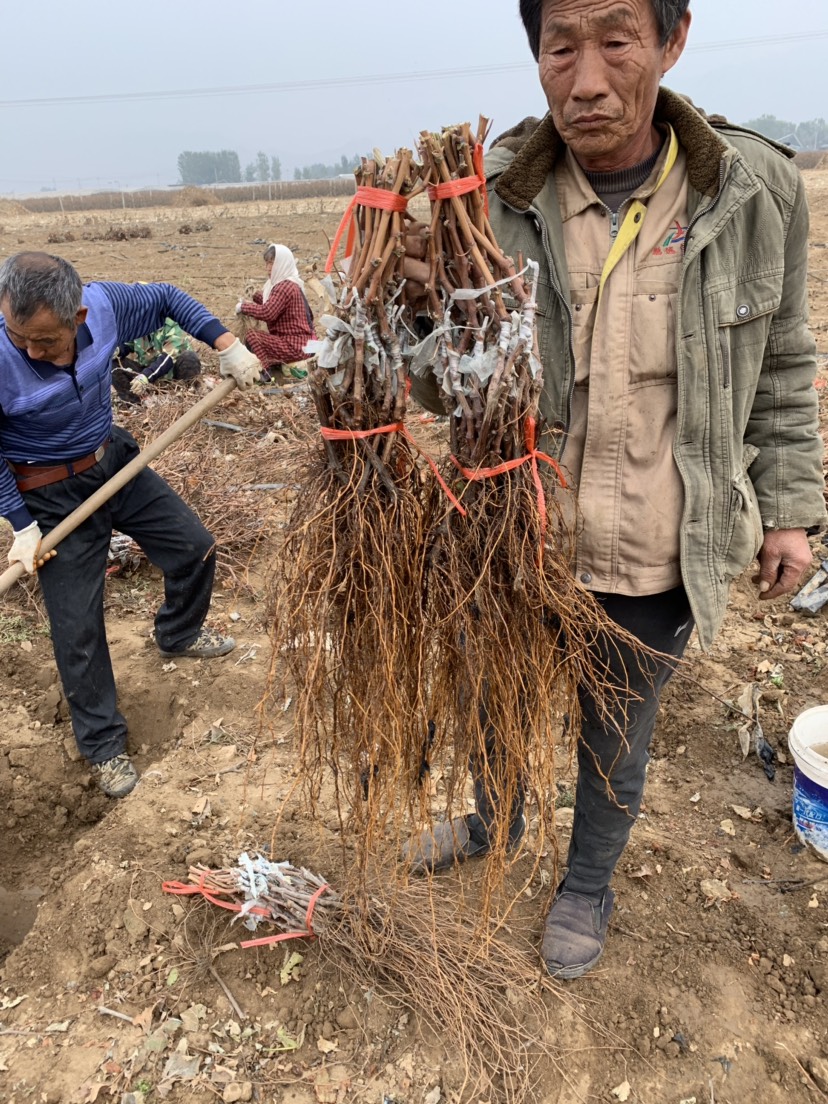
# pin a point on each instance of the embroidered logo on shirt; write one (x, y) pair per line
(673, 243)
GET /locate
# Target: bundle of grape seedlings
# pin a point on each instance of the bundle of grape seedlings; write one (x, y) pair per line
(511, 633)
(348, 610)
(420, 615)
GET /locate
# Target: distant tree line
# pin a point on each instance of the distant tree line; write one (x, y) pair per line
(809, 135)
(201, 167)
(223, 167)
(205, 167)
(318, 171)
(264, 168)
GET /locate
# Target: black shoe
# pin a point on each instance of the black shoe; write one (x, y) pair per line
(575, 932)
(453, 841)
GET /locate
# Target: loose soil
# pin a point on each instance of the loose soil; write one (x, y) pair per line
(714, 984)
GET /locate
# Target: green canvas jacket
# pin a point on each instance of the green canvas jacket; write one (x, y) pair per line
(169, 339)
(747, 444)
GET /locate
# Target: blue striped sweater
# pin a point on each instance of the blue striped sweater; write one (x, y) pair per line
(50, 414)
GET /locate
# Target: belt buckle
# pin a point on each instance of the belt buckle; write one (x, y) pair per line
(99, 452)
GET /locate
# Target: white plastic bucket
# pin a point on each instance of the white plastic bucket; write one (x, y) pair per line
(810, 796)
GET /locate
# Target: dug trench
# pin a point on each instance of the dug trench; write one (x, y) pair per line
(713, 985)
(48, 794)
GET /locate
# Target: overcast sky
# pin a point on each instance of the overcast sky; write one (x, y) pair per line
(102, 48)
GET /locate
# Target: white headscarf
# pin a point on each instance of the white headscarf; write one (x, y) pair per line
(283, 268)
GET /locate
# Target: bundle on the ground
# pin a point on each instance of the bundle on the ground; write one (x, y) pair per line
(261, 892)
(347, 615)
(511, 633)
(411, 949)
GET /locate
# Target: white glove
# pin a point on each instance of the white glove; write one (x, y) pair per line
(241, 364)
(140, 385)
(239, 306)
(26, 547)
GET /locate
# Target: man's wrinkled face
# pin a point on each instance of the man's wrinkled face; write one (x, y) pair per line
(600, 66)
(43, 336)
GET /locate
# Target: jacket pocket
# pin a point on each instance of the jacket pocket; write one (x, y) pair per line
(744, 532)
(583, 305)
(745, 313)
(652, 348)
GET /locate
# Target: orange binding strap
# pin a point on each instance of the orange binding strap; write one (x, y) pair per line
(380, 200)
(395, 427)
(308, 933)
(449, 189)
(533, 455)
(180, 889)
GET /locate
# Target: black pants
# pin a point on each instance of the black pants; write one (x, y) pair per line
(173, 538)
(613, 751)
(186, 366)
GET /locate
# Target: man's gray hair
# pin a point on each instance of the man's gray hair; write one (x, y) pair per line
(29, 281)
(668, 15)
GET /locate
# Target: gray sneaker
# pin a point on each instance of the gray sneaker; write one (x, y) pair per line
(207, 645)
(575, 932)
(453, 841)
(116, 777)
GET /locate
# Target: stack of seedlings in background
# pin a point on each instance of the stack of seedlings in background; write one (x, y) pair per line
(242, 324)
(348, 615)
(510, 629)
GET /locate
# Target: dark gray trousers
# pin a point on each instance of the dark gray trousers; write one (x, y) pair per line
(168, 531)
(613, 751)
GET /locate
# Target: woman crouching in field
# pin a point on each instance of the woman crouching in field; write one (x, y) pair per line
(282, 305)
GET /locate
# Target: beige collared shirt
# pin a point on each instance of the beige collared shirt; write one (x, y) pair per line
(619, 451)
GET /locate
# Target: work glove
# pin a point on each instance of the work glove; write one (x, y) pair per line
(26, 547)
(239, 363)
(239, 306)
(140, 385)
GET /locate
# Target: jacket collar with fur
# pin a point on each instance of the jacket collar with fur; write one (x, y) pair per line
(536, 146)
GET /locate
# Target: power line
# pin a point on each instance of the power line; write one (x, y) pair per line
(765, 40)
(371, 79)
(284, 86)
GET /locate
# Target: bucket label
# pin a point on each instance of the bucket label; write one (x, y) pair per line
(810, 811)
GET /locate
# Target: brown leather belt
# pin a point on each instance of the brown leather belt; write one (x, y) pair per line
(31, 476)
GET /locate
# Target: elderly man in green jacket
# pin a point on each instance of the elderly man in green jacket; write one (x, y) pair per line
(678, 371)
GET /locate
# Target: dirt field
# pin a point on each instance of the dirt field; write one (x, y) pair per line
(714, 985)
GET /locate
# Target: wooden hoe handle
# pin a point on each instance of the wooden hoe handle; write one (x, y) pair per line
(121, 478)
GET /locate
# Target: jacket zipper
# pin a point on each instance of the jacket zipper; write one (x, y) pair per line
(705, 210)
(568, 310)
(724, 337)
(698, 215)
(615, 225)
(726, 373)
